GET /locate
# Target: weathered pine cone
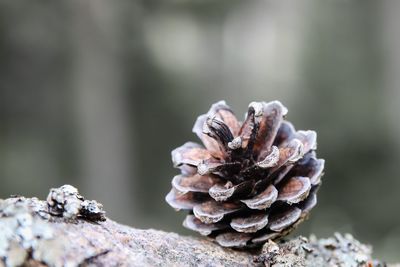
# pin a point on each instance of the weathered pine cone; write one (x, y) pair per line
(252, 181)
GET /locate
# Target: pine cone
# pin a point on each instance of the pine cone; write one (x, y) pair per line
(252, 181)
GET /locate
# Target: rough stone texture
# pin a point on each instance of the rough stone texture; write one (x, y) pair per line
(30, 235)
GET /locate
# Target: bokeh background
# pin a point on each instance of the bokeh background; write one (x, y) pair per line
(97, 93)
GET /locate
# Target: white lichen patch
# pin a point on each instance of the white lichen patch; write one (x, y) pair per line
(340, 250)
(27, 231)
(22, 231)
(16, 255)
(66, 202)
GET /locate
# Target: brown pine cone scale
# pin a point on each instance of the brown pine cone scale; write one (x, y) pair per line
(249, 182)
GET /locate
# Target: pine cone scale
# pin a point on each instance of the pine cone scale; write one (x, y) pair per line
(194, 183)
(271, 117)
(309, 202)
(250, 224)
(193, 223)
(184, 201)
(213, 211)
(223, 192)
(294, 190)
(191, 154)
(263, 200)
(282, 220)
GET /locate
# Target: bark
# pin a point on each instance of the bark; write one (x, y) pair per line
(66, 230)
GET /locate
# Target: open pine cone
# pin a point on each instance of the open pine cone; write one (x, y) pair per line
(252, 181)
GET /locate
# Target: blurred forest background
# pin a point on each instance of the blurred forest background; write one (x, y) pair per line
(97, 93)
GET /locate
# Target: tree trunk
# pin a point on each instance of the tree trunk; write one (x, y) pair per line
(67, 230)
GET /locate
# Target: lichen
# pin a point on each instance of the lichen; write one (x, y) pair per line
(26, 226)
(23, 231)
(339, 250)
(92, 210)
(66, 202)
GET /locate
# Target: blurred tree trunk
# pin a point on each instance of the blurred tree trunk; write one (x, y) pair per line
(99, 98)
(391, 56)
